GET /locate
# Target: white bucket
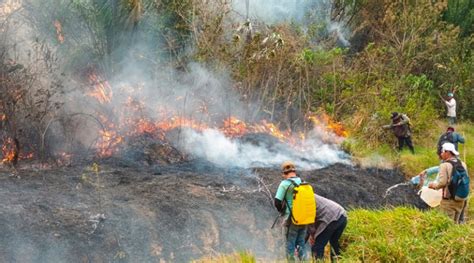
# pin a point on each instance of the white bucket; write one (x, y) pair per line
(431, 197)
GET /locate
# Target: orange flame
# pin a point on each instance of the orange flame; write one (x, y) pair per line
(59, 31)
(109, 139)
(9, 151)
(133, 121)
(101, 89)
(180, 122)
(234, 127)
(325, 120)
(108, 142)
(272, 129)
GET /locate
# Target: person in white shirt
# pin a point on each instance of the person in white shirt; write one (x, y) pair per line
(451, 107)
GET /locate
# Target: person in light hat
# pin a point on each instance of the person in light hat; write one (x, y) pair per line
(450, 205)
(451, 107)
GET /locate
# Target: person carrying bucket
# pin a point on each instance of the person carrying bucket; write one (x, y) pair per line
(454, 182)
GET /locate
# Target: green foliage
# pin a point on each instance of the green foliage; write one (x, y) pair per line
(407, 235)
(400, 234)
(108, 35)
(461, 13)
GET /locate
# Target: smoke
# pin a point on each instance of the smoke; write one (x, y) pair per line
(271, 11)
(142, 82)
(305, 13)
(213, 146)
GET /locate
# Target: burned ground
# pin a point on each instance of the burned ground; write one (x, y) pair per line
(129, 213)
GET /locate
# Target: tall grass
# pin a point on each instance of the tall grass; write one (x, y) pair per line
(406, 235)
(400, 234)
(425, 147)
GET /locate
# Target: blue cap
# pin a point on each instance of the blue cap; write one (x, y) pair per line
(450, 94)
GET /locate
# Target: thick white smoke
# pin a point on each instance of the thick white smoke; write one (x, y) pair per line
(213, 146)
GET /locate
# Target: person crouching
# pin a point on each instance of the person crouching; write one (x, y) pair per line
(331, 220)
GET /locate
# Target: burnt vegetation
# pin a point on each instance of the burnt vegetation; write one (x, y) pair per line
(101, 100)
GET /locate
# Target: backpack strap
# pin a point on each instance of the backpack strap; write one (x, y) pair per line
(294, 185)
(457, 166)
(288, 188)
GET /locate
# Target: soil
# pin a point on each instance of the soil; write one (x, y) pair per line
(128, 212)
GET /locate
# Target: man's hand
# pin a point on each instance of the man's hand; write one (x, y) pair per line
(422, 174)
(311, 240)
(432, 185)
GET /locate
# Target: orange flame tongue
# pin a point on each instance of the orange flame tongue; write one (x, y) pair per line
(331, 125)
(109, 138)
(101, 89)
(180, 122)
(9, 151)
(272, 129)
(234, 127)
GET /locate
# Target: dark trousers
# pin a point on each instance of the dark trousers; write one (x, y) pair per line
(451, 120)
(330, 234)
(405, 140)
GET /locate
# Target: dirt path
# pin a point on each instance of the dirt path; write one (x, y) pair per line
(173, 213)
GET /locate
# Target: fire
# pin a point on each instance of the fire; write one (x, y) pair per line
(29, 155)
(106, 145)
(145, 126)
(9, 151)
(134, 120)
(180, 122)
(109, 138)
(272, 129)
(101, 89)
(234, 127)
(59, 31)
(325, 120)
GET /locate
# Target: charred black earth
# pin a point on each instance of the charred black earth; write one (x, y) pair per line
(118, 212)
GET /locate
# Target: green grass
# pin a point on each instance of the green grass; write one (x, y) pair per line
(237, 257)
(406, 235)
(425, 147)
(400, 234)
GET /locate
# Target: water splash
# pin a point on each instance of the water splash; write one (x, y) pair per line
(393, 187)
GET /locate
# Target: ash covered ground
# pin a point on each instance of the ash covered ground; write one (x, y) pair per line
(127, 212)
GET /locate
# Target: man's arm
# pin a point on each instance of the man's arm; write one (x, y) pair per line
(404, 120)
(459, 138)
(280, 196)
(279, 205)
(442, 177)
(450, 103)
